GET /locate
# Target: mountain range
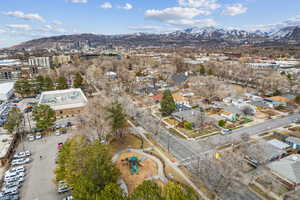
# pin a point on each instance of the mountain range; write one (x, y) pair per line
(206, 36)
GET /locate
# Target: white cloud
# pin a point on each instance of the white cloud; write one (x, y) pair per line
(174, 13)
(51, 29)
(22, 15)
(78, 1)
(204, 4)
(56, 22)
(234, 9)
(180, 16)
(106, 5)
(127, 6)
(23, 27)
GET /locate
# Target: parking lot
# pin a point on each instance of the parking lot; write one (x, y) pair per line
(39, 183)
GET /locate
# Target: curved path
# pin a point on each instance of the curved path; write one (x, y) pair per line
(160, 167)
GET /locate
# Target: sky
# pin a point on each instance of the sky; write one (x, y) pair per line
(22, 20)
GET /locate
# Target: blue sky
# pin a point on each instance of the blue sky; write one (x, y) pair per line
(22, 20)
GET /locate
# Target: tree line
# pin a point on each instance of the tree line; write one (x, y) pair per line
(27, 87)
(87, 167)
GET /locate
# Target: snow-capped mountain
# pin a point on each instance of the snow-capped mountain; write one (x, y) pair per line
(288, 33)
(291, 32)
(206, 36)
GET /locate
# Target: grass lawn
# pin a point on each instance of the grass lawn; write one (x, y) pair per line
(171, 121)
(129, 140)
(176, 133)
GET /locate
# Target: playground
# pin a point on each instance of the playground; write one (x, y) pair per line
(137, 166)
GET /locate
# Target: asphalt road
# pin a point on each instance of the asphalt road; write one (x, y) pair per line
(259, 128)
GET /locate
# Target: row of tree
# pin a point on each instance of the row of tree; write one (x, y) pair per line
(42, 114)
(87, 167)
(27, 87)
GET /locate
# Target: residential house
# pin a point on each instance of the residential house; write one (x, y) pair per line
(287, 170)
(178, 79)
(293, 141)
(181, 100)
(229, 116)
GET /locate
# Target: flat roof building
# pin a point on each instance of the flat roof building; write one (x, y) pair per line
(6, 90)
(65, 102)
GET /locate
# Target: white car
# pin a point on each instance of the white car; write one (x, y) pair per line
(57, 133)
(14, 175)
(20, 161)
(68, 197)
(38, 136)
(22, 154)
(226, 131)
(31, 138)
(17, 169)
(19, 179)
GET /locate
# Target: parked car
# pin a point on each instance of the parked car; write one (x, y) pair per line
(17, 169)
(57, 133)
(22, 154)
(226, 131)
(10, 197)
(60, 146)
(31, 138)
(62, 131)
(14, 174)
(20, 161)
(16, 100)
(15, 179)
(28, 109)
(38, 136)
(70, 197)
(63, 187)
(11, 191)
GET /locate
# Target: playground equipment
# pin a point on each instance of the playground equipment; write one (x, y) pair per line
(133, 163)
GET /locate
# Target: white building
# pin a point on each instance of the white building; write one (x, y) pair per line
(67, 102)
(6, 90)
(39, 61)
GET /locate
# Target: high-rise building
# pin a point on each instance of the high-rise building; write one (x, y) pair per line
(39, 61)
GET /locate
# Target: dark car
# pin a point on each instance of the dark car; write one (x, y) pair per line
(28, 109)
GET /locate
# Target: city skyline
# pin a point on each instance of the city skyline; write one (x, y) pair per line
(25, 20)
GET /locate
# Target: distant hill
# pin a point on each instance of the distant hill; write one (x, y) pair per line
(207, 36)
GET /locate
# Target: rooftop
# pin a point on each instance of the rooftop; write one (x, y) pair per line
(5, 142)
(6, 87)
(64, 99)
(287, 168)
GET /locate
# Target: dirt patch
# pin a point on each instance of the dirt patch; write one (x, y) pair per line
(148, 169)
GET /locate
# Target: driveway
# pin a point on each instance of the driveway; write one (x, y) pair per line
(40, 172)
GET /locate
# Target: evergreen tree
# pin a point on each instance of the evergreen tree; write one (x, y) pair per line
(202, 70)
(23, 87)
(210, 72)
(39, 83)
(111, 191)
(44, 116)
(87, 167)
(48, 84)
(148, 190)
(62, 83)
(297, 99)
(173, 191)
(118, 119)
(167, 103)
(14, 120)
(78, 81)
